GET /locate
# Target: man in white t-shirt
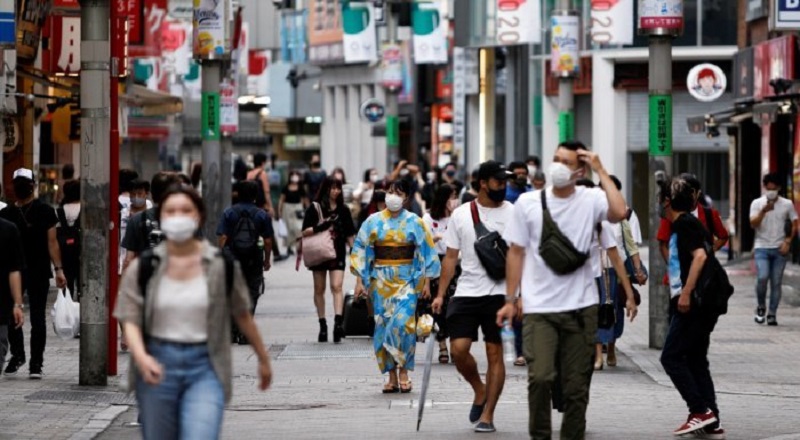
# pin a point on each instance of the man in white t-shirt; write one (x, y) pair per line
(769, 215)
(478, 297)
(560, 311)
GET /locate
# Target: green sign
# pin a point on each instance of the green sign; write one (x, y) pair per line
(392, 131)
(210, 117)
(661, 125)
(566, 126)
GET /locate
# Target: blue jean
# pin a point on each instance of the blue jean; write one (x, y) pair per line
(685, 358)
(189, 402)
(769, 267)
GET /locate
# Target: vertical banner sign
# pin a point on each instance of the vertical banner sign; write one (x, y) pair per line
(360, 37)
(612, 21)
(660, 125)
(325, 32)
(430, 32)
(65, 45)
(564, 46)
(209, 117)
(518, 22)
(176, 46)
(8, 25)
(8, 81)
(210, 28)
(391, 66)
(30, 21)
(566, 126)
(258, 75)
(786, 16)
(228, 108)
(661, 15)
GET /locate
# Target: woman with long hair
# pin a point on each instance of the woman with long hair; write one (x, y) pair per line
(177, 319)
(445, 201)
(394, 260)
(291, 208)
(329, 212)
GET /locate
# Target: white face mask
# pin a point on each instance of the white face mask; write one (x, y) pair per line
(373, 178)
(179, 228)
(560, 175)
(295, 179)
(772, 194)
(404, 172)
(532, 170)
(394, 202)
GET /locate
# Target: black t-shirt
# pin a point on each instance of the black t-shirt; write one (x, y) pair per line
(293, 197)
(33, 221)
(691, 235)
(12, 259)
(343, 228)
(313, 181)
(143, 231)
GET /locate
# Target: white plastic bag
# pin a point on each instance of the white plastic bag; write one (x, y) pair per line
(283, 231)
(66, 316)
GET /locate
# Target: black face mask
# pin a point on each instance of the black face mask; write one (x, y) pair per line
(451, 173)
(497, 195)
(521, 181)
(23, 189)
(315, 164)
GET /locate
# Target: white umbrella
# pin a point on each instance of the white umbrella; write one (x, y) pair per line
(426, 375)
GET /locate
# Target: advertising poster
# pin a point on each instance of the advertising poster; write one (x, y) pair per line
(706, 82)
(391, 66)
(661, 15)
(360, 37)
(30, 20)
(564, 45)
(176, 46)
(430, 26)
(612, 21)
(258, 74)
(228, 108)
(210, 28)
(518, 22)
(325, 32)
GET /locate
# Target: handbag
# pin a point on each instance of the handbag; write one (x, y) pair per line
(318, 248)
(490, 247)
(713, 288)
(606, 313)
(628, 260)
(556, 249)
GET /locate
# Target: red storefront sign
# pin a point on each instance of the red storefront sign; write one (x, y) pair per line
(771, 60)
(146, 18)
(63, 53)
(66, 5)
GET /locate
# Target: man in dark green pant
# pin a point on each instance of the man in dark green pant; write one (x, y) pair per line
(560, 307)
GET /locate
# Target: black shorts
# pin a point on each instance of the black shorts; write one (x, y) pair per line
(466, 314)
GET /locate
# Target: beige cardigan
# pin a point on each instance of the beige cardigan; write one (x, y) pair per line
(130, 306)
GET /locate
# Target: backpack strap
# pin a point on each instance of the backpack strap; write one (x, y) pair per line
(148, 262)
(544, 200)
(62, 217)
(480, 229)
(229, 268)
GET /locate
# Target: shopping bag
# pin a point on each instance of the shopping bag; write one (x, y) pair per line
(283, 231)
(66, 316)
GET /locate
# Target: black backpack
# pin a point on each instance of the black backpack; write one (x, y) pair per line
(150, 228)
(243, 243)
(69, 237)
(261, 199)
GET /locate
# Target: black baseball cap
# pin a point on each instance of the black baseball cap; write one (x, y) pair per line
(493, 169)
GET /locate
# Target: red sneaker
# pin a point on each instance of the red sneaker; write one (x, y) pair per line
(696, 422)
(708, 433)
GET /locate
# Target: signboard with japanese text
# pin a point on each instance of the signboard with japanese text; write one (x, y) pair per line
(660, 17)
(564, 45)
(211, 28)
(325, 32)
(771, 60)
(8, 81)
(63, 53)
(8, 25)
(518, 22)
(228, 108)
(430, 27)
(30, 21)
(147, 42)
(660, 125)
(612, 21)
(209, 117)
(786, 15)
(360, 37)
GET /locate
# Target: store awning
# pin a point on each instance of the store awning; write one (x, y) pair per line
(151, 102)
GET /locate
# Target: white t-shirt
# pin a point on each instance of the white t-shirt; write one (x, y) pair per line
(460, 234)
(636, 229)
(71, 212)
(771, 234)
(181, 310)
(544, 291)
(607, 241)
(438, 228)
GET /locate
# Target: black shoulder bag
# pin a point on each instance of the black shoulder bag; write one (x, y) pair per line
(556, 249)
(490, 247)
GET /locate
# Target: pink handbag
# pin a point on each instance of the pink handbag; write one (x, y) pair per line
(318, 248)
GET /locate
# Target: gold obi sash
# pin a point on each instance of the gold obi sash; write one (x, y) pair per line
(392, 254)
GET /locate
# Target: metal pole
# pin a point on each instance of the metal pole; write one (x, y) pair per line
(212, 150)
(660, 152)
(566, 96)
(95, 160)
(392, 111)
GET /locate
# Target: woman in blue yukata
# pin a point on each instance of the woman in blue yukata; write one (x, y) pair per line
(394, 260)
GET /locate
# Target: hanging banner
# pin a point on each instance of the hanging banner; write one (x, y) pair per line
(706, 82)
(391, 66)
(63, 54)
(209, 117)
(565, 42)
(211, 28)
(146, 18)
(360, 37)
(660, 17)
(258, 74)
(8, 81)
(30, 21)
(430, 26)
(294, 36)
(228, 108)
(518, 22)
(325, 35)
(8, 25)
(176, 46)
(612, 21)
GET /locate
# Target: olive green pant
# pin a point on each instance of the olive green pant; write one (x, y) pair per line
(569, 339)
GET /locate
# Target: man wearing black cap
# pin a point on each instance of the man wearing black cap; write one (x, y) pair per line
(478, 297)
(36, 223)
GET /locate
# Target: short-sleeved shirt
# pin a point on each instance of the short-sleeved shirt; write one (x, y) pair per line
(33, 221)
(293, 197)
(688, 235)
(720, 231)
(460, 235)
(231, 216)
(544, 291)
(603, 241)
(771, 233)
(438, 227)
(12, 259)
(313, 180)
(139, 230)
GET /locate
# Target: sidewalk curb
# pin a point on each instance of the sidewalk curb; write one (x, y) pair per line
(99, 422)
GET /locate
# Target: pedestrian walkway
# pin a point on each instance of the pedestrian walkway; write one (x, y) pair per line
(327, 391)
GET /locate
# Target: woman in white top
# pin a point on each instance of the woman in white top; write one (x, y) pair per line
(176, 302)
(445, 201)
(365, 188)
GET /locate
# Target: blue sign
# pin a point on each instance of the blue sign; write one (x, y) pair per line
(293, 37)
(8, 28)
(787, 15)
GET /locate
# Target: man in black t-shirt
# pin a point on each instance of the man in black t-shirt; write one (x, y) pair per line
(12, 261)
(685, 353)
(314, 177)
(36, 223)
(143, 231)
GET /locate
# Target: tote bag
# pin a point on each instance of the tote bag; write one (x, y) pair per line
(318, 248)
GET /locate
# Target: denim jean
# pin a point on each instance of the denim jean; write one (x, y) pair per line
(37, 287)
(189, 402)
(685, 358)
(769, 267)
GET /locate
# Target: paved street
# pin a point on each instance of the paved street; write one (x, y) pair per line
(333, 391)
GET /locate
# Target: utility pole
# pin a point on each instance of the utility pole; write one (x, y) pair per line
(565, 39)
(661, 24)
(212, 148)
(95, 191)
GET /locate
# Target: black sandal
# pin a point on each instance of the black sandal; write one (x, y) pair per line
(390, 389)
(444, 356)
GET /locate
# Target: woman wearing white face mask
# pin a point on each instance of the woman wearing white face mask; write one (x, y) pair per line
(363, 193)
(394, 260)
(177, 325)
(291, 209)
